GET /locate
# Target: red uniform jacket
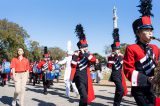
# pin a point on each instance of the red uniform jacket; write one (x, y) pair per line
(136, 63)
(41, 65)
(74, 63)
(136, 57)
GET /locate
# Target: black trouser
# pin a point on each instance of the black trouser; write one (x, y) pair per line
(143, 96)
(36, 78)
(4, 78)
(9, 76)
(81, 81)
(117, 79)
(30, 77)
(45, 82)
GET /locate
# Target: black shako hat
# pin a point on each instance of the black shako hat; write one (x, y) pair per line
(145, 20)
(81, 36)
(116, 41)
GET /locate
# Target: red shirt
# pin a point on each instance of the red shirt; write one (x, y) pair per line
(20, 66)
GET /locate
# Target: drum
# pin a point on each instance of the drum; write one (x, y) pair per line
(37, 71)
(6, 71)
(50, 75)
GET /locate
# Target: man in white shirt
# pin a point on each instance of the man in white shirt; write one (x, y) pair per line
(67, 61)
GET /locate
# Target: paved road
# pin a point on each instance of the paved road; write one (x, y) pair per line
(56, 96)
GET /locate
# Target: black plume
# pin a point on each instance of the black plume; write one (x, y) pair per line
(116, 35)
(45, 50)
(145, 7)
(80, 32)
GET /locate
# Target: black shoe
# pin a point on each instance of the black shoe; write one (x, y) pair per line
(48, 86)
(38, 82)
(51, 83)
(4, 82)
(45, 92)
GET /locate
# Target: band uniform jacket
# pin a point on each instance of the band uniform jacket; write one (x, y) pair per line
(116, 63)
(45, 65)
(75, 64)
(138, 65)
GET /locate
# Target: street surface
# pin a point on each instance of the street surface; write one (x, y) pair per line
(56, 95)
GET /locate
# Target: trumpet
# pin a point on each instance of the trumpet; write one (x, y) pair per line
(154, 38)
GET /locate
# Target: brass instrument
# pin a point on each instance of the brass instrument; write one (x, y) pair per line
(154, 38)
(156, 82)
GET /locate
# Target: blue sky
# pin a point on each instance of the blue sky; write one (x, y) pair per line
(52, 22)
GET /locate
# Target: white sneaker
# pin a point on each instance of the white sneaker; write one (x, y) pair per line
(14, 103)
(77, 95)
(67, 96)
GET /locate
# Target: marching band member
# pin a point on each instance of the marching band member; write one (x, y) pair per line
(115, 61)
(45, 65)
(141, 58)
(80, 73)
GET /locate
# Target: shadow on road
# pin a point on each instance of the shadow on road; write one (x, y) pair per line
(130, 103)
(61, 89)
(43, 103)
(107, 85)
(35, 90)
(97, 104)
(10, 85)
(71, 100)
(128, 95)
(55, 91)
(103, 90)
(6, 100)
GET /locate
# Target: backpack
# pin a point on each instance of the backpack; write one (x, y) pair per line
(6, 67)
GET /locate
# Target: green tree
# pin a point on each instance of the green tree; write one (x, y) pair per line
(57, 53)
(11, 36)
(35, 51)
(100, 58)
(108, 49)
(123, 46)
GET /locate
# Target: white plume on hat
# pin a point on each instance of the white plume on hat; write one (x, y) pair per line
(69, 47)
